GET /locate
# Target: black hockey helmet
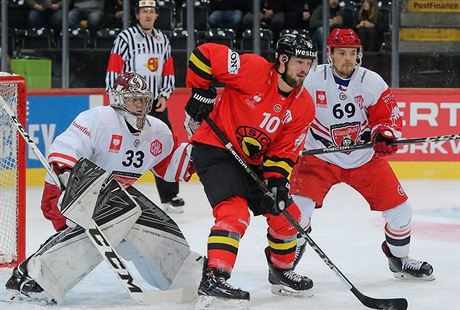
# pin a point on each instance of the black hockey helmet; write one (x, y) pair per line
(295, 44)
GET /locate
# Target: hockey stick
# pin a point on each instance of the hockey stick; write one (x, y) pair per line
(374, 303)
(98, 238)
(337, 149)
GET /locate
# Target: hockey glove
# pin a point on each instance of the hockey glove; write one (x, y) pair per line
(382, 138)
(278, 198)
(201, 103)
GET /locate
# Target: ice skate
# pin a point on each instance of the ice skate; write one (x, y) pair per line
(22, 288)
(174, 206)
(286, 282)
(215, 292)
(408, 268)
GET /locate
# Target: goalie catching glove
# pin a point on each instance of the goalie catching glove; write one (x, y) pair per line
(201, 103)
(278, 197)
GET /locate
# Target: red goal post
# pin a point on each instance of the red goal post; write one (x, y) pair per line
(12, 172)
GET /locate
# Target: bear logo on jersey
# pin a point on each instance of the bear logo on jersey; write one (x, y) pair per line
(252, 141)
(156, 148)
(115, 143)
(321, 99)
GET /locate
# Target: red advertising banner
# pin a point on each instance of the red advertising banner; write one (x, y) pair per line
(426, 112)
(429, 112)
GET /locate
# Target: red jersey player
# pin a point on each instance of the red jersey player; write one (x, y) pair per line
(264, 111)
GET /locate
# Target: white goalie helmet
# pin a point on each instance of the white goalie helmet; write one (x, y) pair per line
(131, 98)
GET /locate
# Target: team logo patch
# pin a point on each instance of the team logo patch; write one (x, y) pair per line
(152, 64)
(345, 134)
(115, 143)
(252, 141)
(156, 148)
(359, 100)
(233, 64)
(139, 37)
(254, 99)
(321, 99)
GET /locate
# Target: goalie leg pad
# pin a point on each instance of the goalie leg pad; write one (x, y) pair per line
(68, 257)
(159, 250)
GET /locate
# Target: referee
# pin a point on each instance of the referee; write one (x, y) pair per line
(147, 51)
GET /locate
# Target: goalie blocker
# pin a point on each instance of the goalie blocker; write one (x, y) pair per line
(140, 231)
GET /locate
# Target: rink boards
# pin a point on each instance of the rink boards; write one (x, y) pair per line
(425, 112)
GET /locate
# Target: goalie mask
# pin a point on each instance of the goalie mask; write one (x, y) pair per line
(131, 98)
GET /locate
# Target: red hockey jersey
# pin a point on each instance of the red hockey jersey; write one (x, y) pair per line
(265, 126)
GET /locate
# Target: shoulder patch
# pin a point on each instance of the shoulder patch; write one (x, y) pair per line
(233, 62)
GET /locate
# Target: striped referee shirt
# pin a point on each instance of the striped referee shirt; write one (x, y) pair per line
(147, 55)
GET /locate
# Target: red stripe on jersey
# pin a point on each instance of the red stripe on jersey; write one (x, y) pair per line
(316, 127)
(181, 164)
(115, 64)
(168, 67)
(63, 156)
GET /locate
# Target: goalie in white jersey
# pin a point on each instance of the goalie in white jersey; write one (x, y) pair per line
(355, 106)
(126, 143)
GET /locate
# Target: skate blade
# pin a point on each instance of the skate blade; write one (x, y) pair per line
(172, 210)
(214, 303)
(406, 276)
(282, 290)
(14, 296)
(10, 295)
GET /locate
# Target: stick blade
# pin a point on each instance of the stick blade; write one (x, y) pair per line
(377, 303)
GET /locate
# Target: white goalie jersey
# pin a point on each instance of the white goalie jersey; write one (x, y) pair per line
(348, 116)
(102, 135)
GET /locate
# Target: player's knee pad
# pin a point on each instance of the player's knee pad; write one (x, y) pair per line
(279, 227)
(232, 215)
(398, 218)
(306, 207)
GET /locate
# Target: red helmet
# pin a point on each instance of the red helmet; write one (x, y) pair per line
(343, 38)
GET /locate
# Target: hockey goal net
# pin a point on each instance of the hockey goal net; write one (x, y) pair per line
(12, 172)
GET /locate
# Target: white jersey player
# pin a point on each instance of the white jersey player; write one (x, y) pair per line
(126, 143)
(355, 106)
(121, 139)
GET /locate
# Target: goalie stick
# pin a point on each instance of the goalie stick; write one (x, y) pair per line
(374, 303)
(99, 239)
(337, 149)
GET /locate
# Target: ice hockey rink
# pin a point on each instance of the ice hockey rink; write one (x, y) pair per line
(345, 229)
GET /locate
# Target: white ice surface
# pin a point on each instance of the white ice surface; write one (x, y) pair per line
(346, 231)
